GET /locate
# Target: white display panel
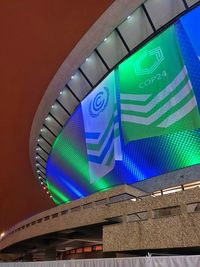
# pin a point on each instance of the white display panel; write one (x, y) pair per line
(192, 2)
(53, 125)
(79, 85)
(112, 49)
(93, 68)
(136, 28)
(68, 100)
(59, 113)
(163, 11)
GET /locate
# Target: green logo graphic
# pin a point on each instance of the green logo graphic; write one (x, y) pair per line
(156, 57)
(163, 102)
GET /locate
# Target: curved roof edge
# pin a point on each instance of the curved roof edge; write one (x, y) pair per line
(108, 21)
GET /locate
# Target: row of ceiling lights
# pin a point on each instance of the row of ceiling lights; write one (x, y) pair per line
(42, 180)
(44, 128)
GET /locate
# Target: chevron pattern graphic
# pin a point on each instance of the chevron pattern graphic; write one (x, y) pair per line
(169, 106)
(100, 146)
(156, 94)
(101, 123)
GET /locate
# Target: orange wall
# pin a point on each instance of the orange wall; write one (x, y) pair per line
(36, 36)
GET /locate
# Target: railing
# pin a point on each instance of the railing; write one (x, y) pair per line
(125, 209)
(76, 206)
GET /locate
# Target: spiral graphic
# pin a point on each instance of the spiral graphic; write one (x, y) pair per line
(99, 103)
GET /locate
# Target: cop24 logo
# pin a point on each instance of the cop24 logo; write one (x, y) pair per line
(158, 57)
(99, 102)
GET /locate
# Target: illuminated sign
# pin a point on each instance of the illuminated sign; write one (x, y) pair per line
(157, 123)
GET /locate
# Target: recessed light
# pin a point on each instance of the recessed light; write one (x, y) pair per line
(2, 235)
(133, 199)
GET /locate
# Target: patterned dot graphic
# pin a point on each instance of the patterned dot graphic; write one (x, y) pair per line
(67, 167)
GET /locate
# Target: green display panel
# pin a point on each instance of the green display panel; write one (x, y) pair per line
(157, 102)
(155, 91)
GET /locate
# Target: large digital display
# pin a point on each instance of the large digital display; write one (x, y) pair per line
(141, 121)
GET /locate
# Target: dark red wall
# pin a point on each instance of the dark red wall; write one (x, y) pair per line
(36, 36)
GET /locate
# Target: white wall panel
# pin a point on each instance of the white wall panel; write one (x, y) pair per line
(79, 85)
(136, 28)
(59, 113)
(42, 153)
(43, 180)
(192, 2)
(42, 169)
(47, 134)
(94, 68)
(53, 125)
(41, 161)
(112, 49)
(150, 261)
(161, 11)
(44, 144)
(68, 100)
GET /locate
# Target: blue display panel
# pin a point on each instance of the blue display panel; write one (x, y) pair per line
(191, 26)
(68, 173)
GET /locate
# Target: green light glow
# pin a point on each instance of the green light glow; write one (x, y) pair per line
(57, 194)
(153, 85)
(56, 201)
(81, 161)
(184, 148)
(69, 154)
(156, 73)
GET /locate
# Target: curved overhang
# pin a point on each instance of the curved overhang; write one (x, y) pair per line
(91, 60)
(98, 32)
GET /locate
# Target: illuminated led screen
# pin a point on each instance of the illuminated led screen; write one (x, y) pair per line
(141, 121)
